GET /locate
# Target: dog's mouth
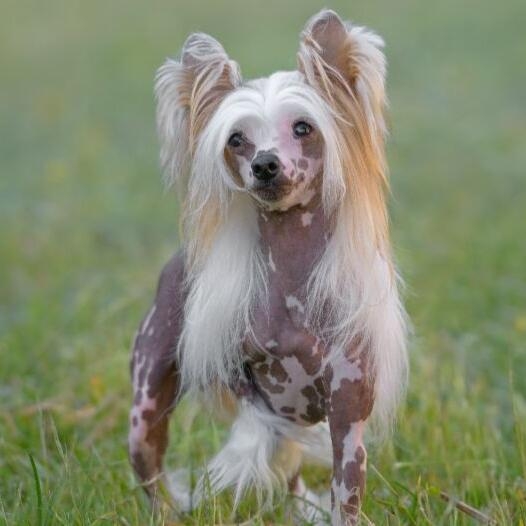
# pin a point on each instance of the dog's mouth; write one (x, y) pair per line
(271, 191)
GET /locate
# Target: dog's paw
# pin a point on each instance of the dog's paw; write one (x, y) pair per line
(309, 507)
(179, 485)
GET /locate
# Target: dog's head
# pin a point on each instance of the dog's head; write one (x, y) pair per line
(274, 147)
(281, 139)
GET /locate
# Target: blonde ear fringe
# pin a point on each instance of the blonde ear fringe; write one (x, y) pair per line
(187, 92)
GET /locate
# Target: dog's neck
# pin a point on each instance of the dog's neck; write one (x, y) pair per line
(292, 241)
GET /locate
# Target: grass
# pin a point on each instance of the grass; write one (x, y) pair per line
(86, 228)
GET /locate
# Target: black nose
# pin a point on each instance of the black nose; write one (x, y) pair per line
(265, 166)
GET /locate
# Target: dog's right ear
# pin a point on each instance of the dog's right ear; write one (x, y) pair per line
(188, 91)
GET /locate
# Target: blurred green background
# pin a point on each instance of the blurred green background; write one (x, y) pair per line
(86, 227)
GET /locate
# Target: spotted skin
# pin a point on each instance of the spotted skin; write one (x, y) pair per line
(294, 374)
(285, 356)
(349, 405)
(155, 377)
(300, 160)
(286, 364)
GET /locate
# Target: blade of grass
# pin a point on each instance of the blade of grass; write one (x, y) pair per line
(38, 489)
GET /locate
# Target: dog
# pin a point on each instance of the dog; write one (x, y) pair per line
(283, 303)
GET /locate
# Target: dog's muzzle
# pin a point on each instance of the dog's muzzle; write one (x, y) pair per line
(265, 166)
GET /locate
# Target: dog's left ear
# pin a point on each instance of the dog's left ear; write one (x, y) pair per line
(188, 91)
(336, 52)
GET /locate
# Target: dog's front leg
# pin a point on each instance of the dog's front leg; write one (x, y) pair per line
(350, 400)
(155, 378)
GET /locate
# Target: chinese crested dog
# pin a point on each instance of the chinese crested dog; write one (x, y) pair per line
(283, 302)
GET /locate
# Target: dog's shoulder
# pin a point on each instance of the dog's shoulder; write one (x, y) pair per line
(172, 277)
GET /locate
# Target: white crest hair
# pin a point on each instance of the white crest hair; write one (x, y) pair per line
(354, 282)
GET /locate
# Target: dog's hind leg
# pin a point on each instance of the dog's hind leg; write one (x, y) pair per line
(155, 377)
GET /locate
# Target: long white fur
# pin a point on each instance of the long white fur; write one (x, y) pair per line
(245, 461)
(258, 455)
(217, 310)
(228, 277)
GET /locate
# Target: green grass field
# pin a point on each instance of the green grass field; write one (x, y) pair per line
(86, 227)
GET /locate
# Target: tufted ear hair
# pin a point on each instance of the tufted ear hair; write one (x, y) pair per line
(188, 91)
(336, 52)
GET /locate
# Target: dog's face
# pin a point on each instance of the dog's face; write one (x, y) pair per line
(282, 139)
(274, 150)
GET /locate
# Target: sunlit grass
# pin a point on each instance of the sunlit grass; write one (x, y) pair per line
(86, 228)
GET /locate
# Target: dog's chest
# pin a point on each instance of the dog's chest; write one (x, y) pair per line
(283, 355)
(285, 358)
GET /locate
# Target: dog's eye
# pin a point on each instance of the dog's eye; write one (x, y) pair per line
(235, 140)
(301, 129)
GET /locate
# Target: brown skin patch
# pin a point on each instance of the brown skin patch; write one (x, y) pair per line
(267, 381)
(278, 372)
(311, 364)
(140, 466)
(293, 483)
(353, 478)
(316, 406)
(303, 164)
(312, 146)
(246, 150)
(233, 166)
(263, 368)
(320, 386)
(231, 154)
(352, 469)
(361, 392)
(243, 389)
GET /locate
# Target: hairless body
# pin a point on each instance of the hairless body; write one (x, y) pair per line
(290, 370)
(285, 366)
